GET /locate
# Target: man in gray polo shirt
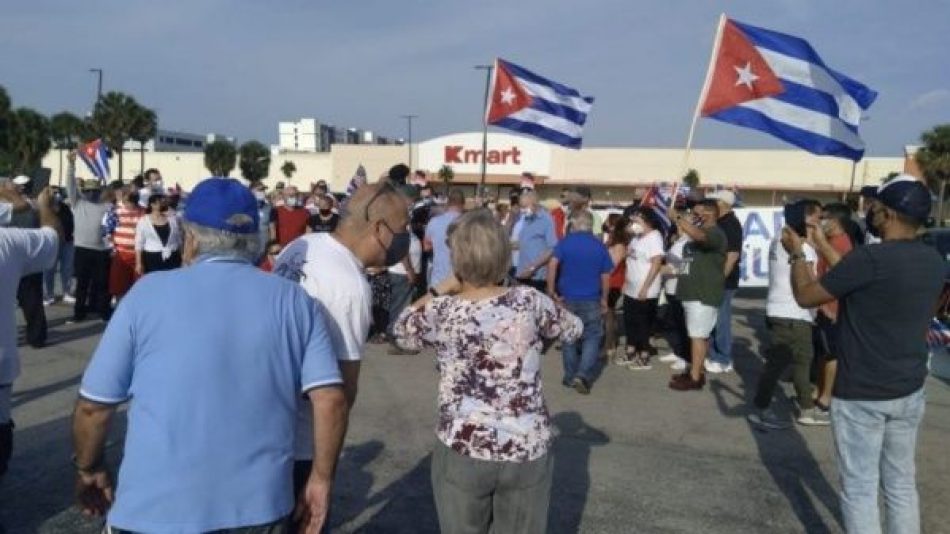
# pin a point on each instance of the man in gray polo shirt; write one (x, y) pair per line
(92, 255)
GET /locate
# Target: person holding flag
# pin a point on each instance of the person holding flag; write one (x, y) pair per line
(92, 255)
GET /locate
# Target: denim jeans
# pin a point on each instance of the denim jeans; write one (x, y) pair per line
(875, 443)
(720, 350)
(581, 357)
(400, 297)
(64, 261)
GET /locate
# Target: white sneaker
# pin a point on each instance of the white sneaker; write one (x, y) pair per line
(69, 299)
(48, 302)
(679, 365)
(716, 367)
(668, 358)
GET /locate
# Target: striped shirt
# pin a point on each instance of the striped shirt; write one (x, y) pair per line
(124, 236)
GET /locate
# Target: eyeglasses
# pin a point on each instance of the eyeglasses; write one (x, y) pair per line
(383, 188)
(274, 252)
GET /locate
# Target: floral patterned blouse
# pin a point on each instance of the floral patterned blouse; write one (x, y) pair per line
(491, 404)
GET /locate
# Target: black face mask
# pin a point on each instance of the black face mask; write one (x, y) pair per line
(91, 196)
(869, 223)
(398, 247)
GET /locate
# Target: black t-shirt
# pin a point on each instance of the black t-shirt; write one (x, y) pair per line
(164, 231)
(887, 293)
(65, 215)
(733, 229)
(318, 224)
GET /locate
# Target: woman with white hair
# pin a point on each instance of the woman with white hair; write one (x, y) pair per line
(491, 470)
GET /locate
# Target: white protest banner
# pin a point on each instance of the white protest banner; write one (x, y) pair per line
(759, 227)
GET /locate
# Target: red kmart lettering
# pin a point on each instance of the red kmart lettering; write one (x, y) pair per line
(458, 154)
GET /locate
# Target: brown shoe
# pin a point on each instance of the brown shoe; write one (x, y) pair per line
(686, 383)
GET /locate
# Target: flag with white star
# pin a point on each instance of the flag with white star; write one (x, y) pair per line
(525, 102)
(778, 84)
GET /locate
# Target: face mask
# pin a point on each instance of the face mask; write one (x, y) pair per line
(325, 212)
(259, 195)
(636, 228)
(292, 202)
(157, 184)
(871, 223)
(91, 196)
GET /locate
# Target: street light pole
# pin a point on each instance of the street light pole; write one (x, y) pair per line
(488, 72)
(409, 142)
(99, 84)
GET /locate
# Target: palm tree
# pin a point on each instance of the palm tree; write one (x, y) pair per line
(144, 128)
(113, 119)
(446, 174)
(66, 130)
(29, 140)
(691, 179)
(934, 160)
(255, 161)
(288, 168)
(220, 157)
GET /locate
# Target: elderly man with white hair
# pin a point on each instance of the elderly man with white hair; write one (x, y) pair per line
(212, 359)
(579, 276)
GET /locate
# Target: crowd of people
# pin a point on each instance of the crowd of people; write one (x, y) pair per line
(239, 419)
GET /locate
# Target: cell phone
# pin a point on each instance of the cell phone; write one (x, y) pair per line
(795, 218)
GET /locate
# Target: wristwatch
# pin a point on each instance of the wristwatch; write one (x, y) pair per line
(795, 257)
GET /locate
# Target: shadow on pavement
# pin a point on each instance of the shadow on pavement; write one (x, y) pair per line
(407, 504)
(37, 492)
(571, 480)
(22, 397)
(784, 453)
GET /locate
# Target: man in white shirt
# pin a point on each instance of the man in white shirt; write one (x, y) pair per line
(790, 328)
(373, 232)
(22, 252)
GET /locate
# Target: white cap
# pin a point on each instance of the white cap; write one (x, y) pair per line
(723, 195)
(21, 180)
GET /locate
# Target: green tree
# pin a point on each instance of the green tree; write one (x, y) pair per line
(288, 168)
(934, 160)
(114, 119)
(29, 140)
(691, 179)
(67, 130)
(446, 174)
(255, 161)
(4, 130)
(220, 157)
(144, 127)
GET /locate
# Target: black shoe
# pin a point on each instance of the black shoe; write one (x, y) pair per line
(581, 386)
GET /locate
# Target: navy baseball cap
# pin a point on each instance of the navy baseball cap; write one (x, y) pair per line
(223, 204)
(904, 194)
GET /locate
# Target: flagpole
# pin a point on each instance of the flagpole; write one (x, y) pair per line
(489, 69)
(703, 93)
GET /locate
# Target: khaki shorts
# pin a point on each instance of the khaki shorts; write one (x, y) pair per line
(700, 319)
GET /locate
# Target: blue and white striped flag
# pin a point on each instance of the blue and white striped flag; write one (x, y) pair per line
(778, 84)
(522, 101)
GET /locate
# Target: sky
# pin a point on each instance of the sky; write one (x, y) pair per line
(238, 67)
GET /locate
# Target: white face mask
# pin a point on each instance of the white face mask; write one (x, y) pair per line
(292, 202)
(259, 195)
(636, 228)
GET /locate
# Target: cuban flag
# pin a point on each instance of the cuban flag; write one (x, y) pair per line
(522, 101)
(778, 84)
(659, 198)
(938, 335)
(96, 156)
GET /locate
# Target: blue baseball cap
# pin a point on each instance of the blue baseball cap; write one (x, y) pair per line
(223, 204)
(905, 194)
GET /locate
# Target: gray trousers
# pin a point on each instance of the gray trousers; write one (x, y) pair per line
(480, 497)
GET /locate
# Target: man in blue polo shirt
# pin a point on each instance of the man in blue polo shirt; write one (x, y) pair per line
(534, 241)
(578, 274)
(211, 360)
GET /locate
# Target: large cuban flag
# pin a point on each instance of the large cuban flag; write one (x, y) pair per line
(522, 101)
(778, 84)
(96, 156)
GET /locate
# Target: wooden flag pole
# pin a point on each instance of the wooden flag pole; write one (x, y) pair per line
(703, 93)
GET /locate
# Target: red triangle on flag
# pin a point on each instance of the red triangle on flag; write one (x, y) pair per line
(507, 95)
(740, 74)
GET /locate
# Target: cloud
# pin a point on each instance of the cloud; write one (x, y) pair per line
(930, 98)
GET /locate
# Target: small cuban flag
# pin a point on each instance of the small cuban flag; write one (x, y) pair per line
(522, 101)
(96, 156)
(778, 84)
